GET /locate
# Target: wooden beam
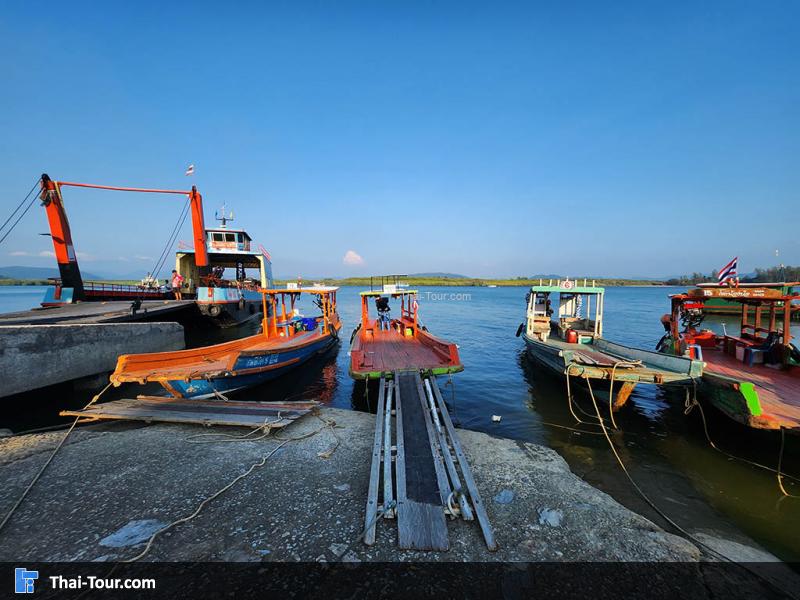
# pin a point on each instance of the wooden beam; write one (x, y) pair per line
(371, 518)
(477, 502)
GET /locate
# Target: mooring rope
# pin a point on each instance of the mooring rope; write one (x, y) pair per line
(621, 363)
(17, 504)
(327, 423)
(691, 403)
(162, 258)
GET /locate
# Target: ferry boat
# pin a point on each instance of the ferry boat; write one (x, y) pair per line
(383, 344)
(751, 375)
(202, 263)
(287, 339)
(563, 332)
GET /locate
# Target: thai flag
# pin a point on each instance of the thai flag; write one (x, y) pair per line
(190, 170)
(728, 271)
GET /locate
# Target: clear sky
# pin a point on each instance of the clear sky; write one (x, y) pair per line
(489, 139)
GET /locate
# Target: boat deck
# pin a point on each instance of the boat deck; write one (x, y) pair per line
(201, 362)
(598, 362)
(778, 391)
(389, 351)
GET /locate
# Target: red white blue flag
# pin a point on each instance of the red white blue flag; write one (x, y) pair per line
(190, 170)
(728, 271)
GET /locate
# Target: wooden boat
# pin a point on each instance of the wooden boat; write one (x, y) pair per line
(285, 342)
(751, 375)
(568, 339)
(384, 345)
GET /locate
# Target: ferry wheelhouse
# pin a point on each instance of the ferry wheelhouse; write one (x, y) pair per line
(228, 301)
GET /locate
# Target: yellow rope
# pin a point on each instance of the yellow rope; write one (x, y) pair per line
(611, 386)
(327, 423)
(17, 504)
(693, 402)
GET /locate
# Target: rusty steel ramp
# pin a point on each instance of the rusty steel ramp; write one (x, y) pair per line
(158, 409)
(419, 473)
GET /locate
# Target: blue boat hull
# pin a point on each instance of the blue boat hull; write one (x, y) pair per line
(274, 364)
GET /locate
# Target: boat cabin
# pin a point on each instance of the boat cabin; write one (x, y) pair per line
(572, 312)
(226, 249)
(227, 240)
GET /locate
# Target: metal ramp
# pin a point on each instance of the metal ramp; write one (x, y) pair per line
(419, 473)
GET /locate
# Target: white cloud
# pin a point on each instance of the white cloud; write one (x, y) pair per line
(351, 257)
(47, 254)
(140, 257)
(19, 253)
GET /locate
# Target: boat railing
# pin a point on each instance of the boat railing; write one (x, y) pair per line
(105, 287)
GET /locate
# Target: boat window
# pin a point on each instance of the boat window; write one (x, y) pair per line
(239, 237)
(217, 237)
(230, 237)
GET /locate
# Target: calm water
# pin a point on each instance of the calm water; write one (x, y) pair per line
(665, 450)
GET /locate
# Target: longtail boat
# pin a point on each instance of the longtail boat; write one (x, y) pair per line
(751, 375)
(566, 336)
(287, 340)
(383, 345)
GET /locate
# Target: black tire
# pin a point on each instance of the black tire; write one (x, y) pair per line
(520, 329)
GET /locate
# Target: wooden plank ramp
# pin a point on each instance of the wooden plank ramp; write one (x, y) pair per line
(428, 476)
(202, 412)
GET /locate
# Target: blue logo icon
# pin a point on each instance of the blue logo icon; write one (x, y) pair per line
(23, 580)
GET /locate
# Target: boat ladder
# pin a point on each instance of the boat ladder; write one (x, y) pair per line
(419, 474)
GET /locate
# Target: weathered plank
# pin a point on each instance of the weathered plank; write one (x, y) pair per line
(203, 412)
(422, 526)
(469, 481)
(466, 511)
(388, 492)
(441, 476)
(370, 520)
(419, 527)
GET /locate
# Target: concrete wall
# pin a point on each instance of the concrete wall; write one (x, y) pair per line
(34, 356)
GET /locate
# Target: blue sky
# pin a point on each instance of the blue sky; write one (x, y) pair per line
(492, 139)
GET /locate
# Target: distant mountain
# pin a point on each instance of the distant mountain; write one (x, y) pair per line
(36, 273)
(447, 275)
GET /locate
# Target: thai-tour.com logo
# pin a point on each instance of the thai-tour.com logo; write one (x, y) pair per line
(24, 582)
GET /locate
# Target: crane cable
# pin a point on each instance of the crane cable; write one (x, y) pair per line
(171, 239)
(14, 212)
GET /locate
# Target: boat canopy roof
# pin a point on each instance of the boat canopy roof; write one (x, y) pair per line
(231, 259)
(390, 292)
(737, 294)
(317, 289)
(564, 289)
(784, 284)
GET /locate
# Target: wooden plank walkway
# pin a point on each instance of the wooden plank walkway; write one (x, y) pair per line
(429, 467)
(204, 412)
(421, 521)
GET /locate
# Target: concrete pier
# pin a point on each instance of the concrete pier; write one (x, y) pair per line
(112, 485)
(35, 356)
